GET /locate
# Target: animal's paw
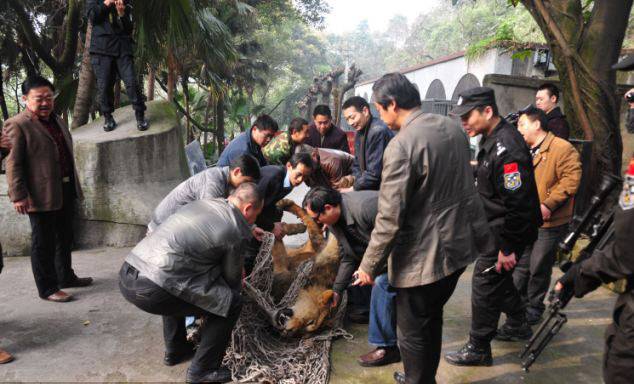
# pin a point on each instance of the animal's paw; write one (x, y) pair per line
(285, 204)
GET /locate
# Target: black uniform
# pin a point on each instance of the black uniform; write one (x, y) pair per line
(612, 260)
(506, 184)
(111, 50)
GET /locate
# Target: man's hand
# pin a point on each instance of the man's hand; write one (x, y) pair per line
(362, 278)
(22, 206)
(506, 262)
(5, 142)
(335, 300)
(627, 93)
(108, 3)
(346, 190)
(545, 212)
(120, 8)
(258, 233)
(344, 182)
(278, 231)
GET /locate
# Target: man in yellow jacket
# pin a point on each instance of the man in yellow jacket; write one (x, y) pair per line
(557, 174)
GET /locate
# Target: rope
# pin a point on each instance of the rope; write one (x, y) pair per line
(258, 353)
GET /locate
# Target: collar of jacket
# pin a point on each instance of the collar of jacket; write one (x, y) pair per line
(554, 113)
(36, 119)
(33, 117)
(416, 112)
(543, 149)
(252, 144)
(488, 142)
(367, 125)
(346, 215)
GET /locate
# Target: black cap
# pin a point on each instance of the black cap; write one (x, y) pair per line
(627, 64)
(473, 98)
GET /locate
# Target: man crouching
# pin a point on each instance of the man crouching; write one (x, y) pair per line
(191, 265)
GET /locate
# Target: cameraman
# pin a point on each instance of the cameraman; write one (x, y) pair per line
(612, 261)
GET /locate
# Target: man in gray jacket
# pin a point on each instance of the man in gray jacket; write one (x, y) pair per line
(191, 265)
(430, 223)
(211, 183)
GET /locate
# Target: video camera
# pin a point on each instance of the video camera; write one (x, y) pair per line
(598, 228)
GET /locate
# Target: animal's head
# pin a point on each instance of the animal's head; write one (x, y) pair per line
(307, 315)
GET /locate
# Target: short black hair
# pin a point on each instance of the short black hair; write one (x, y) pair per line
(248, 165)
(396, 87)
(551, 88)
(357, 102)
(265, 123)
(323, 110)
(317, 198)
(303, 158)
(494, 107)
(35, 82)
(297, 124)
(535, 114)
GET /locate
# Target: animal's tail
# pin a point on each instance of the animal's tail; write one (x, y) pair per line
(314, 231)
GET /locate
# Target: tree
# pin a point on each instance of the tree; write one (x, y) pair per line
(586, 38)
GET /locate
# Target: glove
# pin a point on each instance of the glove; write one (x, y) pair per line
(567, 282)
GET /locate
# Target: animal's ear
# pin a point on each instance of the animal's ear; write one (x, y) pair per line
(326, 297)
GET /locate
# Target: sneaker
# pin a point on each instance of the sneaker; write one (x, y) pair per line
(510, 333)
(471, 355)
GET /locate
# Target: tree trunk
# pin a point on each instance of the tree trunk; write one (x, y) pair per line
(151, 78)
(188, 126)
(583, 53)
(3, 101)
(171, 74)
(86, 86)
(220, 123)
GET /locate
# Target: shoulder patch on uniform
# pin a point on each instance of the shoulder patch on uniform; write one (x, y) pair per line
(512, 178)
(501, 149)
(627, 196)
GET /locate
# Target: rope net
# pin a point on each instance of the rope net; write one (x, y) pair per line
(258, 353)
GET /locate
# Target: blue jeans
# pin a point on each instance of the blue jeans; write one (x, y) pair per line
(382, 327)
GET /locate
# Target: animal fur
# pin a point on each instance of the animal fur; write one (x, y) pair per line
(312, 307)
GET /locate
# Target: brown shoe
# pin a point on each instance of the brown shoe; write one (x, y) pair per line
(78, 282)
(380, 356)
(5, 357)
(60, 297)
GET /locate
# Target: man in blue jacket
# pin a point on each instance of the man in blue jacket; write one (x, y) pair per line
(250, 142)
(370, 140)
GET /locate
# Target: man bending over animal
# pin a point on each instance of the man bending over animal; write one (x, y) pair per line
(191, 265)
(350, 217)
(215, 182)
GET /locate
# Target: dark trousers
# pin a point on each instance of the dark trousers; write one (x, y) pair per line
(534, 269)
(215, 333)
(491, 294)
(618, 360)
(419, 318)
(51, 243)
(106, 69)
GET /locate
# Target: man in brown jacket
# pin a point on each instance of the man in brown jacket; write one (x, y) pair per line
(557, 173)
(430, 223)
(43, 184)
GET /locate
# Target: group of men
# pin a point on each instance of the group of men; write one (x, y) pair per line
(409, 210)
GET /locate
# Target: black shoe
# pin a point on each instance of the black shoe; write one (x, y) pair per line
(141, 123)
(470, 355)
(533, 318)
(220, 375)
(173, 358)
(399, 377)
(109, 123)
(78, 282)
(509, 333)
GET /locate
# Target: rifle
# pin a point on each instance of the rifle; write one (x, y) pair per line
(599, 229)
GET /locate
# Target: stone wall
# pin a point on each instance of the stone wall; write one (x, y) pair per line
(124, 174)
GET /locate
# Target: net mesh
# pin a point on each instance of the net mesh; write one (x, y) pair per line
(258, 353)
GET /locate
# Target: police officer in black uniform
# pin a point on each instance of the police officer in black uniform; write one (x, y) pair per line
(111, 55)
(506, 184)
